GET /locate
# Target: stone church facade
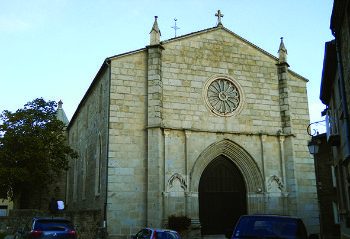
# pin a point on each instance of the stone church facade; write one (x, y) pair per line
(206, 125)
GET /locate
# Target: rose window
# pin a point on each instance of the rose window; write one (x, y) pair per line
(223, 96)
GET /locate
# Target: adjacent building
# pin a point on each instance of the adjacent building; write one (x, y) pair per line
(326, 187)
(335, 94)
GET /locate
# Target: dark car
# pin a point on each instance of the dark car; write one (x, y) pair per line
(270, 226)
(152, 233)
(40, 228)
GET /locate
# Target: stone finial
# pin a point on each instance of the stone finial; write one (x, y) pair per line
(60, 114)
(60, 103)
(219, 15)
(282, 53)
(155, 33)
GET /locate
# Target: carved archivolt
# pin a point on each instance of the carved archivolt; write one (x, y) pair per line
(242, 159)
(275, 184)
(177, 183)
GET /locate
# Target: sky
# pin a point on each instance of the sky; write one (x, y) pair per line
(54, 48)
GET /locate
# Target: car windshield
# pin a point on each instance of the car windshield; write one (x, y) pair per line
(146, 234)
(166, 235)
(270, 227)
(53, 225)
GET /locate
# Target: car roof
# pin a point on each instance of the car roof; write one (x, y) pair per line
(51, 218)
(161, 229)
(270, 216)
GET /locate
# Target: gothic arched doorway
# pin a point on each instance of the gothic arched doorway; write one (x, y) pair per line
(222, 196)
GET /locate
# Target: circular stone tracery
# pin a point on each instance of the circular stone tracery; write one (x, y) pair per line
(223, 96)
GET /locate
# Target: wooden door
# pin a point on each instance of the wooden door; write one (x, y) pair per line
(222, 196)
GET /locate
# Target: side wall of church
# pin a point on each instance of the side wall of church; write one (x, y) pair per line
(127, 165)
(87, 134)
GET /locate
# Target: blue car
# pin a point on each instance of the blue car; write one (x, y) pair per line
(270, 226)
(44, 228)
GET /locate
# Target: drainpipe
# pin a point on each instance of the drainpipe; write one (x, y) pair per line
(104, 233)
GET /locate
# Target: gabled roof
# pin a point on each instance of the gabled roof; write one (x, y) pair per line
(206, 31)
(194, 34)
(125, 54)
(103, 67)
(215, 29)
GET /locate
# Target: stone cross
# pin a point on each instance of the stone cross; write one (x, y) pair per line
(219, 15)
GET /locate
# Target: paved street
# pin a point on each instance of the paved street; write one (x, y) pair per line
(214, 237)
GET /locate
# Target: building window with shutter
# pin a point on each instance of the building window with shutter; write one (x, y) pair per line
(332, 127)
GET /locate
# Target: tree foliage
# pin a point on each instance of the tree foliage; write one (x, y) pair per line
(33, 149)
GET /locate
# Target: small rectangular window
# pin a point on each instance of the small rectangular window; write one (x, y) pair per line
(3, 211)
(335, 213)
(334, 179)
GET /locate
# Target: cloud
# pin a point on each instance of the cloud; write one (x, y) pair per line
(18, 15)
(11, 24)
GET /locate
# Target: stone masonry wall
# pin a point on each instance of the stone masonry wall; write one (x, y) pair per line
(304, 165)
(189, 63)
(127, 168)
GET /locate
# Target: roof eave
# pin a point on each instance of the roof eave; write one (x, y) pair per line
(103, 67)
(328, 71)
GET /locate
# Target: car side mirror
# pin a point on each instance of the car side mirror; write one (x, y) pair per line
(313, 236)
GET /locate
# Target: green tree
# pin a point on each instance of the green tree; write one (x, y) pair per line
(33, 150)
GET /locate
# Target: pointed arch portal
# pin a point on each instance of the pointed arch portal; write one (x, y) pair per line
(222, 196)
(229, 184)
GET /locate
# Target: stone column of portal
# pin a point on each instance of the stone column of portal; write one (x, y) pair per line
(262, 190)
(165, 189)
(283, 170)
(155, 155)
(187, 175)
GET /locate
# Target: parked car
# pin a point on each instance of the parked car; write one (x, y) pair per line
(270, 226)
(46, 227)
(152, 233)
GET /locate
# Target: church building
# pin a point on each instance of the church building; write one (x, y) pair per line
(205, 125)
